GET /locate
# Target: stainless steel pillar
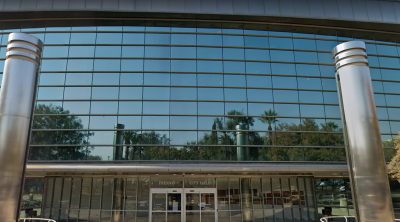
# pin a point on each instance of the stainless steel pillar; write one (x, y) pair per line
(242, 153)
(367, 167)
(118, 141)
(16, 106)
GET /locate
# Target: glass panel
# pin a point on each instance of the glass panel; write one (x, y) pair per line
(130, 193)
(143, 194)
(96, 193)
(192, 201)
(223, 216)
(158, 217)
(57, 192)
(107, 193)
(174, 203)
(208, 216)
(76, 191)
(256, 194)
(85, 194)
(66, 193)
(222, 193)
(174, 217)
(234, 194)
(192, 217)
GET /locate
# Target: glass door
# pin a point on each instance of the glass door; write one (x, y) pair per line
(200, 205)
(166, 205)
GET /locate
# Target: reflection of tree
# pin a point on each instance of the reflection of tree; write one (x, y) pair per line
(69, 137)
(134, 149)
(394, 164)
(269, 118)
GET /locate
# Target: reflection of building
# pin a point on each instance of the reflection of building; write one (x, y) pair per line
(180, 81)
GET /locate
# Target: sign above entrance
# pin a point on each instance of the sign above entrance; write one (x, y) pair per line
(200, 182)
(177, 182)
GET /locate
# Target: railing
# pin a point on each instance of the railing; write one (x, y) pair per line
(325, 219)
(33, 219)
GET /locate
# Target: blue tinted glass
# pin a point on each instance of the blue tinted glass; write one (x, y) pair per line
(84, 28)
(209, 80)
(131, 107)
(279, 55)
(132, 65)
(239, 107)
(81, 51)
(55, 51)
(78, 79)
(109, 28)
(377, 86)
(133, 38)
(105, 78)
(257, 54)
(234, 67)
(159, 93)
(53, 65)
(325, 58)
(209, 53)
(183, 39)
(235, 94)
(332, 112)
(259, 81)
(327, 70)
(371, 49)
(183, 94)
(156, 65)
(108, 51)
(389, 74)
(373, 61)
(130, 92)
(80, 65)
(151, 38)
(183, 65)
(304, 44)
(107, 65)
(77, 93)
(210, 94)
(391, 100)
(236, 31)
(307, 70)
(329, 84)
(210, 108)
(183, 137)
(257, 109)
(382, 113)
(183, 122)
(183, 108)
(109, 38)
(3, 52)
(281, 43)
(103, 122)
(312, 111)
(183, 52)
(331, 98)
(50, 79)
(384, 127)
(395, 127)
(155, 107)
(286, 96)
(51, 93)
(131, 122)
(77, 107)
(326, 45)
(232, 53)
(234, 80)
(306, 57)
(394, 113)
(256, 41)
(57, 38)
(157, 51)
(233, 40)
(183, 79)
(132, 51)
(157, 28)
(259, 95)
(310, 97)
(155, 122)
(157, 79)
(83, 38)
(283, 69)
(387, 62)
(287, 110)
(258, 67)
(205, 123)
(209, 66)
(309, 83)
(386, 50)
(390, 87)
(209, 40)
(284, 82)
(105, 92)
(375, 73)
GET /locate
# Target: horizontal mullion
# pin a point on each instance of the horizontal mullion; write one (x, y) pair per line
(187, 130)
(173, 145)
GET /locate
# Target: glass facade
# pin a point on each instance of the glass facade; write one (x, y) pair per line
(128, 199)
(177, 93)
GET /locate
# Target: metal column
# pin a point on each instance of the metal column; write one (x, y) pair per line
(242, 153)
(367, 167)
(16, 106)
(118, 142)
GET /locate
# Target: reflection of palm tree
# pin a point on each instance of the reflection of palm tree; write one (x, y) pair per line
(128, 136)
(268, 117)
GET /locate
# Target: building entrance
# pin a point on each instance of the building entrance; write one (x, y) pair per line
(183, 204)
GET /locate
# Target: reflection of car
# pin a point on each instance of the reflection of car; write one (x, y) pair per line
(342, 189)
(340, 182)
